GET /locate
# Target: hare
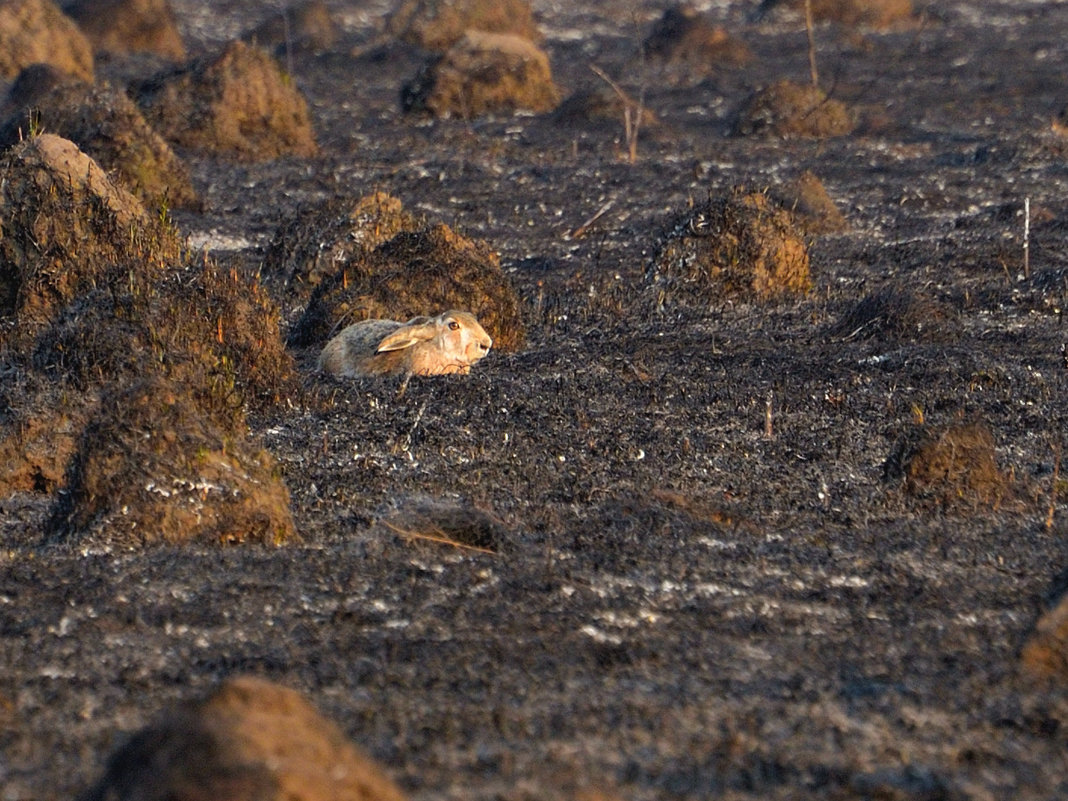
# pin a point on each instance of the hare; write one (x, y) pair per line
(448, 343)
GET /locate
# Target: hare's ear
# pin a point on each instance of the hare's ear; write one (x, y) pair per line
(406, 336)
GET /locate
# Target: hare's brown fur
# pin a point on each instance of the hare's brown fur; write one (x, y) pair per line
(449, 343)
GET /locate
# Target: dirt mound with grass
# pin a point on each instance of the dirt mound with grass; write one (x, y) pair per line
(210, 331)
(106, 125)
(96, 293)
(301, 28)
(237, 104)
(417, 272)
(439, 24)
(895, 313)
(214, 331)
(249, 739)
(483, 73)
(34, 82)
(787, 109)
(953, 467)
(807, 200)
(144, 320)
(40, 426)
(37, 32)
(684, 36)
(318, 241)
(159, 463)
(740, 244)
(869, 13)
(1045, 652)
(64, 224)
(119, 27)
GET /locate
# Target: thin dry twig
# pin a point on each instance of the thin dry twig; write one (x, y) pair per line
(438, 538)
(581, 230)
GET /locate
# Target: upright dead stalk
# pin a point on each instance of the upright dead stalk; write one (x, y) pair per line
(632, 113)
(1053, 488)
(811, 45)
(1027, 238)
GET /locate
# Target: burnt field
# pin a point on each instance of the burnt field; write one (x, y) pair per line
(674, 537)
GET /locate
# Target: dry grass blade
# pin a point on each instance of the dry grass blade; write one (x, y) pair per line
(440, 537)
(579, 232)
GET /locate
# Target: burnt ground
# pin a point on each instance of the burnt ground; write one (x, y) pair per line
(678, 605)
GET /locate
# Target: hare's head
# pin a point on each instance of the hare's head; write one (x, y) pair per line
(448, 343)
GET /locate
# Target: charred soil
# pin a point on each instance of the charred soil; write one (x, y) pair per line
(654, 550)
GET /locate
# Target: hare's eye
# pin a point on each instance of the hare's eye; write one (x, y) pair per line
(453, 325)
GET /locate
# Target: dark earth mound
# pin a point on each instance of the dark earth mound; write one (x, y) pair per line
(801, 544)
(36, 31)
(252, 740)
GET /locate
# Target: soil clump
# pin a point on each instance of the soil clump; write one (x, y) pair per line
(439, 24)
(483, 73)
(868, 13)
(954, 467)
(106, 125)
(602, 104)
(320, 240)
(158, 464)
(1045, 652)
(736, 244)
(807, 200)
(789, 109)
(249, 739)
(685, 37)
(121, 27)
(306, 27)
(897, 314)
(64, 225)
(35, 32)
(236, 104)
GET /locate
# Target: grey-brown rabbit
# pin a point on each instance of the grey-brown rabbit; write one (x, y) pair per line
(449, 343)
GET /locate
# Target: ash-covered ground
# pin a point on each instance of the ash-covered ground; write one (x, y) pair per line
(701, 584)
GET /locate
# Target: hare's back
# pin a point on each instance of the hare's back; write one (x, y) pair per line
(350, 353)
